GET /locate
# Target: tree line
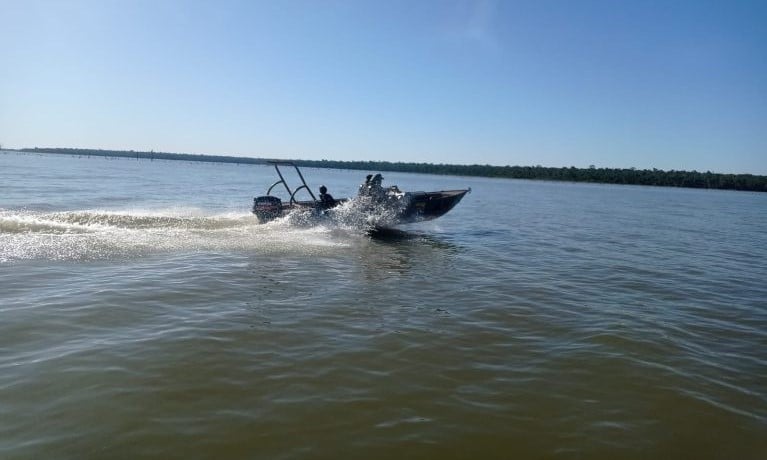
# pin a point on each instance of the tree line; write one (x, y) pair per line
(151, 155)
(629, 176)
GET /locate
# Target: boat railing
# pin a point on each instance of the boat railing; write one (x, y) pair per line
(291, 193)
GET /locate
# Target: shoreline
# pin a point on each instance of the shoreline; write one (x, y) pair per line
(621, 176)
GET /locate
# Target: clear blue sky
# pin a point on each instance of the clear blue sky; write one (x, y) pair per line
(668, 84)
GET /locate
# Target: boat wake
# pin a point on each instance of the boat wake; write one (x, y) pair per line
(100, 234)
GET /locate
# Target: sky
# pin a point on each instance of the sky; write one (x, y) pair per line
(648, 84)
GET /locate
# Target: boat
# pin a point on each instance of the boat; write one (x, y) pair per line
(398, 207)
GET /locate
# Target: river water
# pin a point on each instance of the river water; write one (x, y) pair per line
(144, 312)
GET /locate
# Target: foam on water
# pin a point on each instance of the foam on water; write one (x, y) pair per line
(364, 212)
(108, 234)
(360, 214)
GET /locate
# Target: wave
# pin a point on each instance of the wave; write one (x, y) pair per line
(95, 220)
(357, 214)
(102, 234)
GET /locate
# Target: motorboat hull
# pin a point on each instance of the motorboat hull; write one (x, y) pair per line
(405, 207)
(421, 206)
(396, 207)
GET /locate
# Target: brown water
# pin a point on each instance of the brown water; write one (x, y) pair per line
(144, 313)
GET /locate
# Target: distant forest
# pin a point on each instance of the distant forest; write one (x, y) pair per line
(632, 176)
(147, 155)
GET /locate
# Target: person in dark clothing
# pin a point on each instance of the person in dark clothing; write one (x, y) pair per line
(326, 199)
(375, 187)
(365, 188)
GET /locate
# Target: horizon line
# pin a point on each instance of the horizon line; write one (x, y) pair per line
(256, 160)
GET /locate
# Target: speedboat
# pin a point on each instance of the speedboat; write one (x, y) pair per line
(400, 207)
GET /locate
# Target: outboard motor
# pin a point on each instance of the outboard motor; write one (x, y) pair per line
(267, 207)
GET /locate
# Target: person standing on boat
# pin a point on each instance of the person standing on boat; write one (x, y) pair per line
(376, 190)
(326, 199)
(372, 188)
(365, 188)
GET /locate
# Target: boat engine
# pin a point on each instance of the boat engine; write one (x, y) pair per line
(267, 207)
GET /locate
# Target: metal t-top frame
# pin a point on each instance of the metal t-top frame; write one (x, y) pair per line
(282, 181)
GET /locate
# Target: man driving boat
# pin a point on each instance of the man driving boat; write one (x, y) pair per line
(326, 199)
